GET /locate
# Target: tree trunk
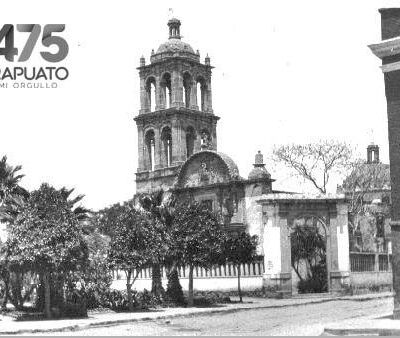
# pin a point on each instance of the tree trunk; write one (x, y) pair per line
(6, 292)
(296, 269)
(47, 300)
(156, 281)
(174, 289)
(239, 290)
(129, 290)
(19, 281)
(190, 298)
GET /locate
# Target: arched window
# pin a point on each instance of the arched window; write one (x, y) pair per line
(166, 139)
(201, 93)
(166, 90)
(151, 93)
(187, 86)
(190, 138)
(150, 150)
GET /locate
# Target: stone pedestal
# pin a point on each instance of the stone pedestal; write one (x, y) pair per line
(278, 285)
(340, 282)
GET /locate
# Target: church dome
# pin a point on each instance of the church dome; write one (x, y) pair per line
(259, 171)
(175, 45)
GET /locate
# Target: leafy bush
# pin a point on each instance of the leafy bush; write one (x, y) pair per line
(208, 298)
(117, 300)
(311, 285)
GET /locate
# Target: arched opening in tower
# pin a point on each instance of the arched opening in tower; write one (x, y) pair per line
(166, 90)
(166, 139)
(187, 86)
(151, 93)
(150, 150)
(190, 138)
(200, 93)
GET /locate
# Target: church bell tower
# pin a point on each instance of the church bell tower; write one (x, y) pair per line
(176, 118)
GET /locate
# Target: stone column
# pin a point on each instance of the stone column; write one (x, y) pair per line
(208, 98)
(214, 135)
(388, 50)
(193, 96)
(157, 149)
(338, 250)
(141, 149)
(162, 96)
(144, 101)
(197, 141)
(177, 89)
(392, 84)
(178, 153)
(158, 94)
(276, 280)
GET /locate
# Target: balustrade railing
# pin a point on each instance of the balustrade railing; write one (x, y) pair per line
(255, 268)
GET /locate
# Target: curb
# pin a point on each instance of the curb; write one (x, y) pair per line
(79, 327)
(362, 332)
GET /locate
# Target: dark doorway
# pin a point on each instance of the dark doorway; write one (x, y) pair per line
(308, 255)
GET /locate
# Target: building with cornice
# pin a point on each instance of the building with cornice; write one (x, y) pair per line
(177, 151)
(388, 50)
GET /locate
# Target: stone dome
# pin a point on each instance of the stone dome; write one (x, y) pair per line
(174, 46)
(259, 171)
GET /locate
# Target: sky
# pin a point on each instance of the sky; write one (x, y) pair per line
(285, 72)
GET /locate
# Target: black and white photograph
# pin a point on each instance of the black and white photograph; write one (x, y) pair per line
(211, 168)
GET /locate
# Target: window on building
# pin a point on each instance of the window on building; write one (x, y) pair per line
(187, 87)
(151, 93)
(166, 90)
(150, 150)
(201, 93)
(166, 139)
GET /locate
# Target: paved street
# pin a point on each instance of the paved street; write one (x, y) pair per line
(295, 320)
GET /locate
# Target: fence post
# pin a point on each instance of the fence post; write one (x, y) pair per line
(376, 267)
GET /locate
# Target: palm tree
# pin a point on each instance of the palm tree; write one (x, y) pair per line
(152, 204)
(161, 207)
(9, 181)
(11, 197)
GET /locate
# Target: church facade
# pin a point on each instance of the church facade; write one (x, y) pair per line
(177, 150)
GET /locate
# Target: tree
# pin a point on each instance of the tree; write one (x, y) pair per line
(11, 193)
(365, 182)
(308, 245)
(364, 178)
(9, 181)
(197, 238)
(134, 245)
(315, 162)
(240, 249)
(47, 237)
(161, 209)
(96, 277)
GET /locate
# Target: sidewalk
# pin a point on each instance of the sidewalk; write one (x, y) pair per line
(9, 326)
(372, 325)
